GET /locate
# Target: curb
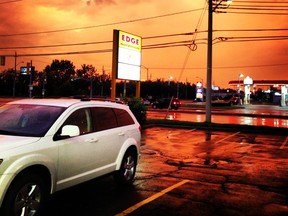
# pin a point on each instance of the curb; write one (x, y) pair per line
(217, 127)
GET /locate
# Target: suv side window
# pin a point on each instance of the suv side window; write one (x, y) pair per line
(103, 118)
(82, 119)
(123, 117)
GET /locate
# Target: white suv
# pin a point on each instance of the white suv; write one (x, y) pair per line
(47, 145)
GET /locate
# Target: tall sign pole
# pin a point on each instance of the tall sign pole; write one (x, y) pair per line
(114, 63)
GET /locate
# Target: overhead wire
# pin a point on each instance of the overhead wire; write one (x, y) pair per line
(193, 46)
(276, 7)
(249, 39)
(90, 43)
(167, 44)
(262, 7)
(220, 67)
(97, 26)
(262, 2)
(144, 38)
(256, 13)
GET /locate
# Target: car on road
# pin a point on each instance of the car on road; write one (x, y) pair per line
(228, 100)
(165, 102)
(51, 144)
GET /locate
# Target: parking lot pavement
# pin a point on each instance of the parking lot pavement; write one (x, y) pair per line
(225, 173)
(246, 175)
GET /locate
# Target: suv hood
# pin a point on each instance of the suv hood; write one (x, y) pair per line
(10, 142)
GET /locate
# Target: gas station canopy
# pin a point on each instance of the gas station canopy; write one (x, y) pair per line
(260, 82)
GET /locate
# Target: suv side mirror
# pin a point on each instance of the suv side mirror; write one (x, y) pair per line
(67, 132)
(70, 131)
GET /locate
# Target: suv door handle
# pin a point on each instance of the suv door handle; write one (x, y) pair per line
(121, 134)
(92, 140)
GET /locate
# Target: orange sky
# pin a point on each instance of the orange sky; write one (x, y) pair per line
(86, 21)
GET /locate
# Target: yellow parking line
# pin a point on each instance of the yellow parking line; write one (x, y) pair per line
(227, 137)
(151, 198)
(284, 143)
(178, 133)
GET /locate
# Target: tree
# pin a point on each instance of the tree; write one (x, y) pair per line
(6, 81)
(59, 76)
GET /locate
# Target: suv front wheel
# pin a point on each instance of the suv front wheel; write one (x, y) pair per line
(25, 196)
(127, 170)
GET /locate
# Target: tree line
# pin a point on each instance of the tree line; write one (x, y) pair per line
(61, 79)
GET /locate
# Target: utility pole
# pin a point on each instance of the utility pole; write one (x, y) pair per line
(15, 72)
(29, 70)
(213, 5)
(209, 63)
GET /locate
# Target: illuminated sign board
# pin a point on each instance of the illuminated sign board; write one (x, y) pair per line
(199, 85)
(199, 90)
(24, 71)
(128, 56)
(248, 81)
(215, 88)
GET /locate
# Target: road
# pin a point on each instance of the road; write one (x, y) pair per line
(254, 115)
(221, 119)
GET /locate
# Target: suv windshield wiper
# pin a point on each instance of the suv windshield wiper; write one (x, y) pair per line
(5, 132)
(14, 133)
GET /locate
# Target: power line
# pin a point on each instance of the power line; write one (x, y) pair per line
(167, 45)
(250, 30)
(259, 7)
(90, 43)
(192, 46)
(220, 67)
(61, 53)
(250, 39)
(97, 26)
(257, 13)
(262, 2)
(192, 42)
(56, 45)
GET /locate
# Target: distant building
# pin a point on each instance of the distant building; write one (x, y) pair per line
(280, 87)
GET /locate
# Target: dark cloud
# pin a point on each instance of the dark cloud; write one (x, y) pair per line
(97, 2)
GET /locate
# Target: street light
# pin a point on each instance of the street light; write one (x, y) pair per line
(147, 69)
(14, 78)
(170, 79)
(240, 75)
(201, 80)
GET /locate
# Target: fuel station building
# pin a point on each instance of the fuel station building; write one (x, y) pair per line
(279, 97)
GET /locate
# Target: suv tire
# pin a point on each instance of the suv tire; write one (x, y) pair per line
(126, 174)
(27, 193)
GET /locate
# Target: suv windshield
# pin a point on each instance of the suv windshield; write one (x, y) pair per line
(27, 120)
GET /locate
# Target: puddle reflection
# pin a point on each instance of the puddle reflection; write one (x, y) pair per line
(222, 119)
